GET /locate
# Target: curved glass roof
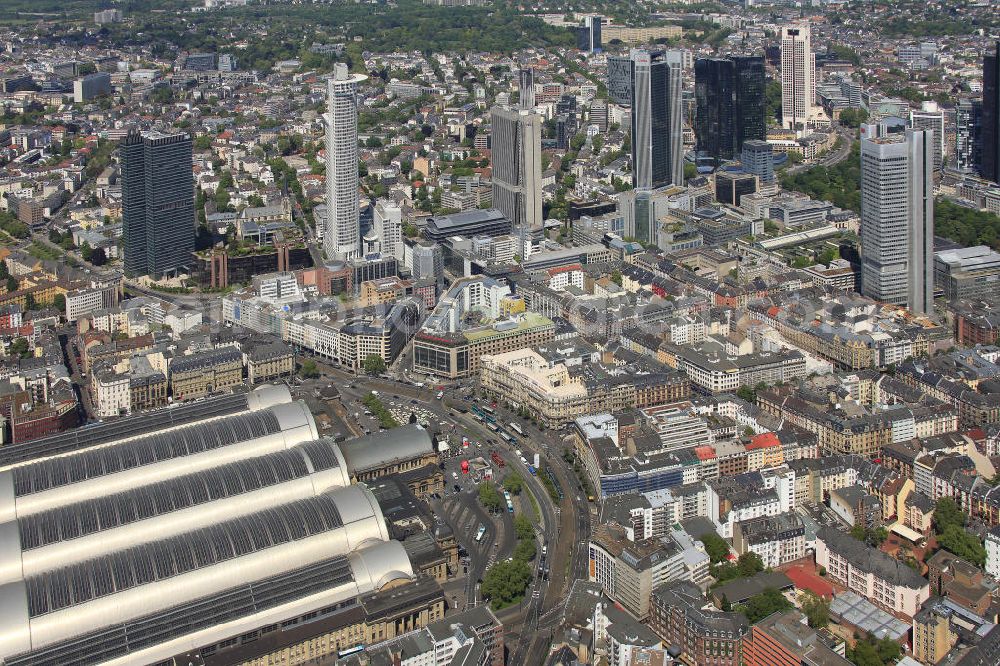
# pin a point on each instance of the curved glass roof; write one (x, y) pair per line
(55, 472)
(104, 513)
(148, 563)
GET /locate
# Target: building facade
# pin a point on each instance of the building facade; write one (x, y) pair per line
(342, 236)
(798, 76)
(516, 143)
(897, 220)
(157, 203)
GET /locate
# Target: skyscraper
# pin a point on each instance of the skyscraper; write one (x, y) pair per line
(342, 237)
(968, 135)
(991, 116)
(798, 76)
(588, 35)
(897, 219)
(516, 143)
(388, 226)
(620, 80)
(157, 203)
(729, 94)
(657, 123)
(931, 117)
(526, 88)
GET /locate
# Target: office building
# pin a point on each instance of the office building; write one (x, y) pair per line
(931, 117)
(588, 35)
(897, 220)
(968, 135)
(620, 80)
(991, 116)
(967, 273)
(798, 76)
(758, 158)
(526, 87)
(599, 114)
(157, 203)
(388, 227)
(729, 95)
(731, 185)
(342, 236)
(517, 166)
(657, 123)
(91, 86)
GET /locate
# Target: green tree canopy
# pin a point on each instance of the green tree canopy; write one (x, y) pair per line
(374, 364)
(505, 583)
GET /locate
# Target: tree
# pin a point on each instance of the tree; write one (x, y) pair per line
(761, 605)
(12, 284)
(523, 527)
(513, 484)
(505, 583)
(19, 348)
(374, 364)
(308, 370)
(29, 302)
(489, 497)
(59, 302)
(525, 550)
(749, 564)
(715, 546)
(98, 257)
(746, 393)
(947, 513)
(816, 609)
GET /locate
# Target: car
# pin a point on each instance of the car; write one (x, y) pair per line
(414, 402)
(458, 488)
(454, 475)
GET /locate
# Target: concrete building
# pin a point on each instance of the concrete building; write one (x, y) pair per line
(798, 76)
(516, 143)
(931, 117)
(204, 373)
(785, 639)
(897, 220)
(879, 578)
(342, 236)
(388, 227)
(967, 273)
(778, 540)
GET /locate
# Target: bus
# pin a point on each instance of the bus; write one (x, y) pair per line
(531, 470)
(480, 533)
(440, 395)
(493, 427)
(516, 428)
(487, 409)
(510, 503)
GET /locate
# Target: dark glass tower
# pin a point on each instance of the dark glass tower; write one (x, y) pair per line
(157, 203)
(729, 94)
(657, 157)
(990, 132)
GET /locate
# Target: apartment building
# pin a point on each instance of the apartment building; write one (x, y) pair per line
(778, 539)
(879, 578)
(680, 615)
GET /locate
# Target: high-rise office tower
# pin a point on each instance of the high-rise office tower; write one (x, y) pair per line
(157, 203)
(342, 237)
(620, 80)
(968, 135)
(526, 87)
(657, 123)
(798, 76)
(991, 116)
(588, 35)
(516, 143)
(931, 117)
(757, 158)
(897, 219)
(729, 97)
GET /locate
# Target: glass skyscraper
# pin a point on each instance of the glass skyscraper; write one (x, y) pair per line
(657, 146)
(990, 131)
(157, 203)
(730, 105)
